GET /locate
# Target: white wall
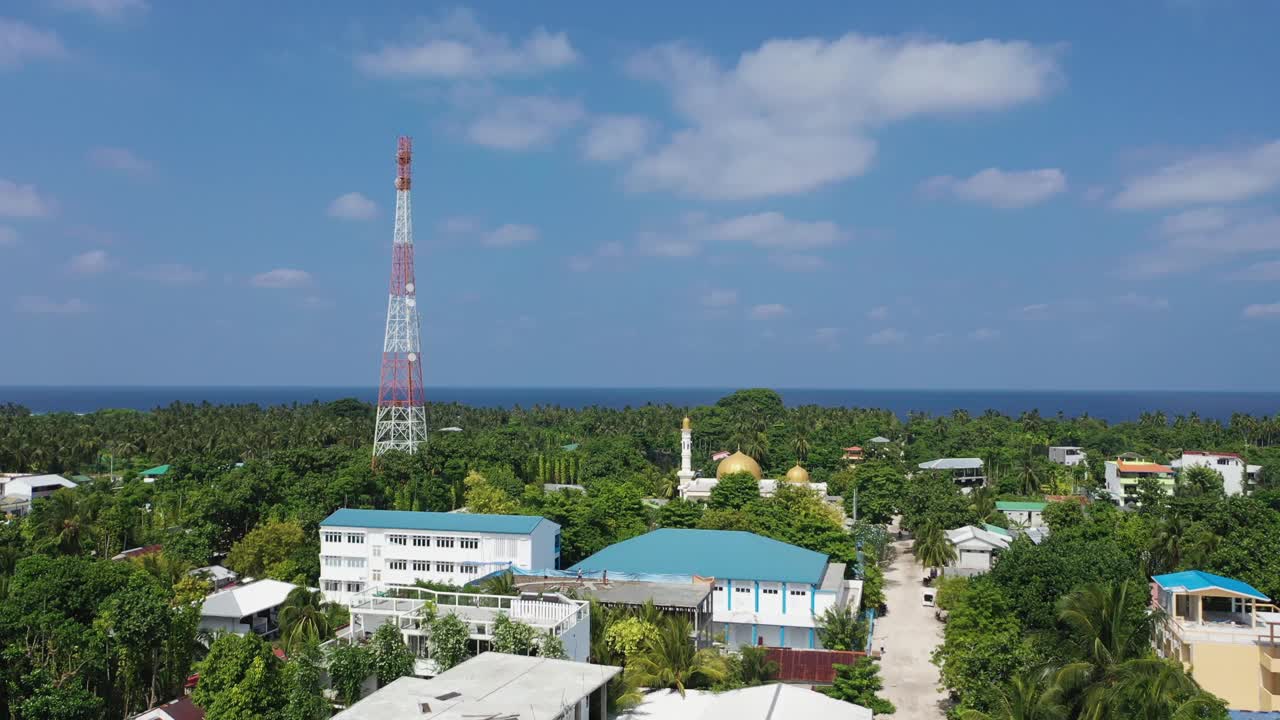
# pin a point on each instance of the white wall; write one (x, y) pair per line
(219, 624)
(973, 559)
(1232, 470)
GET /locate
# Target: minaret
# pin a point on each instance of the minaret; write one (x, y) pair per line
(686, 452)
(402, 417)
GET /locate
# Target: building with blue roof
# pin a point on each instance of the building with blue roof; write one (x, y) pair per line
(1225, 632)
(764, 591)
(361, 549)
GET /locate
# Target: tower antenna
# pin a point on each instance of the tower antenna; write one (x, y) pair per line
(402, 416)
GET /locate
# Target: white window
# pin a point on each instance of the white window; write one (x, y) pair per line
(444, 541)
(354, 587)
(377, 551)
(377, 576)
(332, 586)
(357, 538)
(799, 593)
(504, 547)
(470, 569)
(421, 540)
(397, 565)
(398, 539)
(469, 543)
(444, 567)
(333, 537)
(355, 562)
(421, 566)
(332, 561)
(742, 589)
(769, 591)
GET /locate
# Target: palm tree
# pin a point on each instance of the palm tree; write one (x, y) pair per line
(503, 583)
(983, 503)
(669, 660)
(60, 523)
(1168, 543)
(303, 617)
(800, 444)
(1159, 690)
(1029, 696)
(931, 548)
(1111, 641)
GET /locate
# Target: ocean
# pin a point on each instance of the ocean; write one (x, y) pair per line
(1110, 406)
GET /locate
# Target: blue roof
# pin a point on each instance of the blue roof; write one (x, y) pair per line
(456, 522)
(1197, 580)
(728, 554)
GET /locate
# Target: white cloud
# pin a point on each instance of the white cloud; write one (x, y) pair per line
(90, 263)
(1262, 271)
(104, 9)
(1197, 242)
(1261, 311)
(720, 298)
(829, 336)
(22, 200)
(984, 334)
(353, 206)
(879, 312)
(8, 236)
(42, 305)
(281, 278)
(1035, 308)
(171, 274)
(663, 245)
(887, 336)
(794, 115)
(769, 311)
(20, 42)
(459, 225)
(457, 47)
(521, 123)
(606, 251)
(1001, 188)
(1143, 302)
(773, 230)
(614, 137)
(1212, 177)
(118, 158)
(510, 235)
(798, 263)
(936, 338)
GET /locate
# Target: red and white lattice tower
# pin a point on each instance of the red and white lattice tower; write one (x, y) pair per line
(402, 415)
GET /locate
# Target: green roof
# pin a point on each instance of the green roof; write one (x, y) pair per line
(996, 529)
(81, 479)
(157, 470)
(728, 554)
(570, 447)
(1020, 505)
(453, 522)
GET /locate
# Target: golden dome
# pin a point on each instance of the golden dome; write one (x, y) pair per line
(736, 463)
(797, 474)
(688, 425)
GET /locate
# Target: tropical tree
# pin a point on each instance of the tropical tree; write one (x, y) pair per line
(503, 583)
(858, 683)
(348, 666)
(931, 547)
(304, 695)
(1109, 633)
(1028, 696)
(669, 660)
(754, 665)
(840, 629)
(450, 641)
(512, 636)
(391, 658)
(58, 522)
(304, 618)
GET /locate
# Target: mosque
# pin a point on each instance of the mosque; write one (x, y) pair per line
(697, 488)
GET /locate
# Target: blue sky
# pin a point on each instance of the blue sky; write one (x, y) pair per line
(976, 195)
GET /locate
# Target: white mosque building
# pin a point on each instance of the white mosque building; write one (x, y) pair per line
(697, 488)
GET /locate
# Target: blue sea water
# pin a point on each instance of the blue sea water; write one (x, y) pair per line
(1107, 405)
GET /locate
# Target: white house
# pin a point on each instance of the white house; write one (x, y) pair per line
(1026, 514)
(20, 490)
(1236, 475)
(1067, 455)
(968, 473)
(243, 609)
(976, 548)
(362, 548)
(765, 592)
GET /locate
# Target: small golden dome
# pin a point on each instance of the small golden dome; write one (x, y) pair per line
(736, 463)
(797, 474)
(687, 425)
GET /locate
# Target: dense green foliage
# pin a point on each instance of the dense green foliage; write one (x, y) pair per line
(858, 683)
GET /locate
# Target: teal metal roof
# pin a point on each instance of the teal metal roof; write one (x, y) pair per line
(996, 529)
(728, 554)
(454, 522)
(1198, 580)
(157, 470)
(1020, 505)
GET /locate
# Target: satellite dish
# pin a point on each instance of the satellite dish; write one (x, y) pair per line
(413, 357)
(410, 302)
(408, 287)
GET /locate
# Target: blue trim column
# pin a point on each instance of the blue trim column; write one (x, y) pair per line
(811, 638)
(727, 638)
(755, 634)
(728, 592)
(813, 598)
(782, 636)
(757, 582)
(784, 598)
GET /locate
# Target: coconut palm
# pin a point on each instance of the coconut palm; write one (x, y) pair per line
(931, 548)
(1154, 689)
(982, 501)
(1168, 543)
(1112, 641)
(669, 660)
(303, 617)
(59, 522)
(1029, 696)
(503, 583)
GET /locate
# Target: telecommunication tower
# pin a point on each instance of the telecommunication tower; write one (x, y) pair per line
(402, 415)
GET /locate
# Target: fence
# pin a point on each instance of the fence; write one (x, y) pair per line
(810, 666)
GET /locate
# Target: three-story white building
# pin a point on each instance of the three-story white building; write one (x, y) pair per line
(362, 548)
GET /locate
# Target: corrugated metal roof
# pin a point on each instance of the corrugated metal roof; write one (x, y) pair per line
(1020, 505)
(238, 602)
(952, 464)
(157, 470)
(727, 554)
(1142, 467)
(456, 522)
(1198, 580)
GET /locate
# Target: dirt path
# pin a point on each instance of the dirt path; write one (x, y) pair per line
(908, 634)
